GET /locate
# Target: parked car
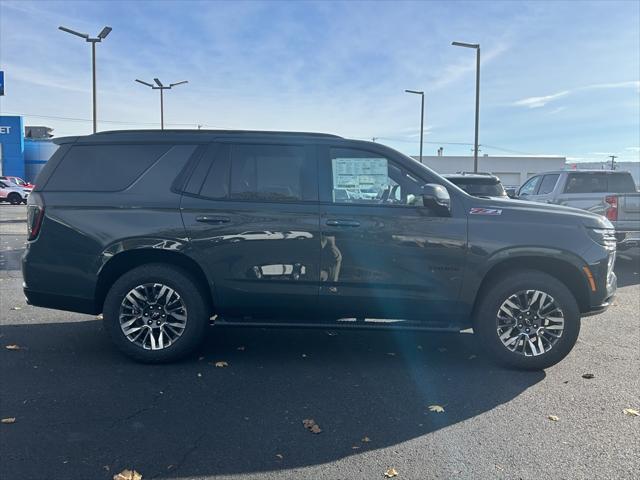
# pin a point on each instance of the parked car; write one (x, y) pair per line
(425, 254)
(18, 181)
(605, 192)
(12, 193)
(478, 184)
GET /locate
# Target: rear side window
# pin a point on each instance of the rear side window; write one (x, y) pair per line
(548, 183)
(621, 183)
(273, 173)
(103, 168)
(586, 183)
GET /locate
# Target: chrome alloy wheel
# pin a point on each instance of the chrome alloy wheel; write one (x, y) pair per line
(530, 322)
(153, 316)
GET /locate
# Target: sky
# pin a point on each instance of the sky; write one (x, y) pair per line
(557, 78)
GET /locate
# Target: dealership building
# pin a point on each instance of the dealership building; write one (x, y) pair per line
(23, 151)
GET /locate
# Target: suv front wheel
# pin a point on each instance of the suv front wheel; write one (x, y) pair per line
(155, 313)
(528, 320)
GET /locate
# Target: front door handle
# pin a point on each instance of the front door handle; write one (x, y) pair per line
(342, 223)
(212, 219)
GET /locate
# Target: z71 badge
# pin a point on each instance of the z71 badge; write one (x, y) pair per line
(485, 211)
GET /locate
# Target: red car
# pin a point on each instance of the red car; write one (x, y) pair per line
(18, 181)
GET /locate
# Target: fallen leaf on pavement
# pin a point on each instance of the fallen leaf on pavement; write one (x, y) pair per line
(631, 412)
(127, 475)
(280, 456)
(588, 375)
(16, 308)
(553, 418)
(9, 420)
(221, 364)
(392, 472)
(366, 439)
(13, 347)
(311, 425)
(436, 408)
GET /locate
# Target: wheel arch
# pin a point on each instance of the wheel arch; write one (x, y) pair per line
(127, 260)
(562, 269)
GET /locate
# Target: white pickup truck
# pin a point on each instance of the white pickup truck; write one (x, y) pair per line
(606, 192)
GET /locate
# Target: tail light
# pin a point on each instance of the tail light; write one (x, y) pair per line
(611, 211)
(35, 215)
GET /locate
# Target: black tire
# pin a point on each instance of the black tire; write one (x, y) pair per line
(485, 319)
(14, 198)
(183, 284)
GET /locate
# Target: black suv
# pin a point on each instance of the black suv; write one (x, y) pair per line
(163, 232)
(478, 184)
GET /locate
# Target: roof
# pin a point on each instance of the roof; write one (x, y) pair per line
(184, 135)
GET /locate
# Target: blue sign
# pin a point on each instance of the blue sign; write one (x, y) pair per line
(1, 83)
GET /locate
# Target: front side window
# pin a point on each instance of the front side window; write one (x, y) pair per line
(548, 183)
(272, 172)
(364, 177)
(530, 186)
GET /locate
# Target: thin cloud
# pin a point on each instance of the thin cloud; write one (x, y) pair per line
(537, 102)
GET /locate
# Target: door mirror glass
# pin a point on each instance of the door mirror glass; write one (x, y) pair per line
(437, 198)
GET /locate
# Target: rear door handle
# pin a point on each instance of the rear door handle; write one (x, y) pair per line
(342, 223)
(214, 220)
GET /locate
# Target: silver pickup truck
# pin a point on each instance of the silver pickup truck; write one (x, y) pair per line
(609, 193)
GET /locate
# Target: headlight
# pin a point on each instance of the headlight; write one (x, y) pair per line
(603, 236)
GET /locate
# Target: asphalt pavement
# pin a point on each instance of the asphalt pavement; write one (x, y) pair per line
(83, 411)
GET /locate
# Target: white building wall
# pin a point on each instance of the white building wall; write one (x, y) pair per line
(512, 171)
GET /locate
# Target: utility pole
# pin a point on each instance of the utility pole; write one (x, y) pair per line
(613, 158)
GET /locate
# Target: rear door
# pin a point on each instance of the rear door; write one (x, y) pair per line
(251, 213)
(384, 255)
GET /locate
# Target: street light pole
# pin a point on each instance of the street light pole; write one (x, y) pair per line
(421, 93)
(101, 36)
(475, 143)
(161, 87)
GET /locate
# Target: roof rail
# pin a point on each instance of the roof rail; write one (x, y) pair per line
(221, 132)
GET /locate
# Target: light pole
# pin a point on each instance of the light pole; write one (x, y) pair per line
(161, 87)
(101, 36)
(417, 92)
(475, 143)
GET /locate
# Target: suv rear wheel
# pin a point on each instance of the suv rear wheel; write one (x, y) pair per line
(155, 313)
(528, 320)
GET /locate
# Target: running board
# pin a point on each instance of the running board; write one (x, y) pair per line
(220, 322)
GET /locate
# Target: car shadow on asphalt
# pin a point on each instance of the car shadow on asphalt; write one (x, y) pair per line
(84, 411)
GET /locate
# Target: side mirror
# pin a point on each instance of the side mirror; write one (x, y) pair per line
(437, 198)
(511, 192)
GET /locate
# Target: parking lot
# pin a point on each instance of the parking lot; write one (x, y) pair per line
(83, 411)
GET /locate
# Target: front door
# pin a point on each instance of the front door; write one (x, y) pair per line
(251, 213)
(384, 255)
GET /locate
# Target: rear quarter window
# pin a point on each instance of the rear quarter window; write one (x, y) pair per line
(103, 168)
